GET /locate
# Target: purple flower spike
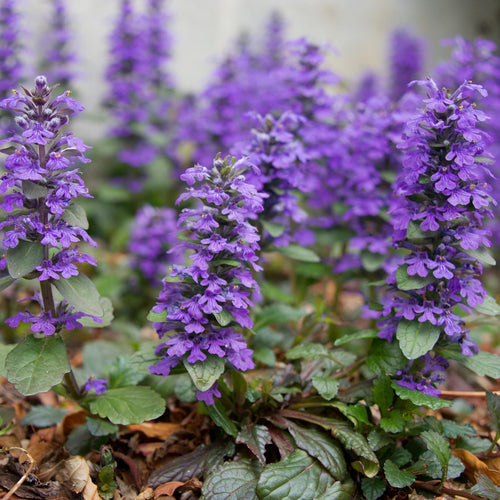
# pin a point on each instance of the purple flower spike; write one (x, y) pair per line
(207, 300)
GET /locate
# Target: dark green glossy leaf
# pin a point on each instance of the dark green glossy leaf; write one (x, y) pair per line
(205, 373)
(37, 365)
(372, 488)
(385, 358)
(339, 491)
(295, 477)
(99, 427)
(439, 446)
(255, 437)
(394, 422)
(327, 387)
(416, 338)
(128, 405)
(81, 293)
(396, 477)
(383, 394)
(23, 259)
(419, 398)
(218, 414)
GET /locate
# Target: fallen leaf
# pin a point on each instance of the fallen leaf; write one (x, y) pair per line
(149, 448)
(147, 494)
(75, 473)
(474, 466)
(71, 421)
(167, 489)
(158, 430)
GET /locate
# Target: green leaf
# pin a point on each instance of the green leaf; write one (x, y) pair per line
(312, 270)
(383, 394)
(482, 255)
(277, 314)
(120, 373)
(98, 354)
(419, 398)
(37, 365)
(327, 387)
(128, 405)
(359, 335)
(43, 416)
(490, 306)
(264, 355)
(255, 437)
(75, 216)
(372, 488)
(205, 373)
(184, 389)
(486, 364)
(202, 460)
(384, 357)
(394, 422)
(4, 351)
(439, 446)
(80, 441)
(233, 481)
(406, 282)
(99, 427)
(157, 317)
(295, 477)
(224, 317)
(415, 232)
(339, 491)
(5, 279)
(106, 318)
(297, 252)
(372, 261)
(218, 414)
(275, 230)
(22, 259)
(493, 405)
(32, 190)
(415, 338)
(321, 446)
(307, 351)
(396, 477)
(486, 488)
(81, 293)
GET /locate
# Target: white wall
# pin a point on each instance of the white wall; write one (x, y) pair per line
(204, 29)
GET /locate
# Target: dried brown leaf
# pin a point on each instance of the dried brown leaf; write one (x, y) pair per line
(168, 489)
(474, 466)
(75, 473)
(158, 430)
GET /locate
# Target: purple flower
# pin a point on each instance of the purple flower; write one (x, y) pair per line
(98, 384)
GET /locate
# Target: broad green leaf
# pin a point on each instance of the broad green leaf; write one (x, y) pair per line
(264, 355)
(224, 317)
(372, 261)
(297, 252)
(32, 190)
(184, 389)
(5, 280)
(419, 398)
(205, 373)
(415, 338)
(372, 488)
(157, 317)
(483, 363)
(323, 447)
(295, 477)
(233, 481)
(407, 282)
(273, 229)
(394, 422)
(106, 319)
(98, 354)
(339, 491)
(4, 351)
(327, 387)
(81, 293)
(482, 255)
(128, 405)
(493, 405)
(80, 441)
(428, 464)
(218, 414)
(439, 446)
(379, 439)
(277, 314)
(99, 427)
(383, 394)
(120, 373)
(37, 365)
(359, 335)
(401, 456)
(22, 259)
(43, 416)
(255, 437)
(474, 444)
(486, 488)
(396, 477)
(75, 215)
(307, 351)
(385, 358)
(490, 306)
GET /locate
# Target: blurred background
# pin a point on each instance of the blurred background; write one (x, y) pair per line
(204, 31)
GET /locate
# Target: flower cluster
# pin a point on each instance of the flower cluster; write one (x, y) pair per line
(204, 301)
(281, 159)
(152, 234)
(58, 56)
(41, 183)
(444, 203)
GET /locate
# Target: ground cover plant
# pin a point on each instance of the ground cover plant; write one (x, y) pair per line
(279, 287)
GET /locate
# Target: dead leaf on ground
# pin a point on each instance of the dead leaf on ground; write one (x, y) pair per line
(167, 489)
(474, 466)
(72, 420)
(75, 473)
(158, 430)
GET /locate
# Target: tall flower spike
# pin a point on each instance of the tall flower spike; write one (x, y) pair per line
(42, 182)
(444, 201)
(205, 302)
